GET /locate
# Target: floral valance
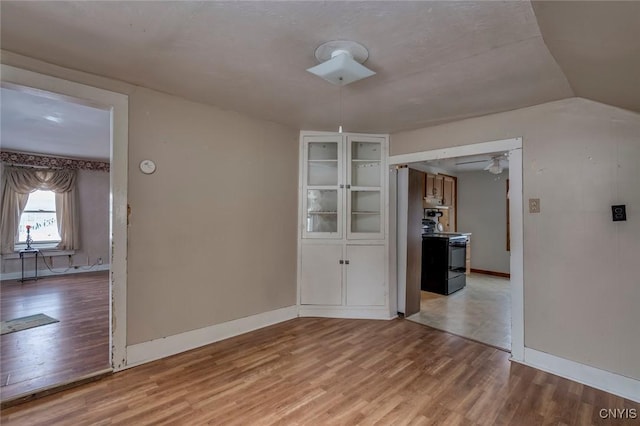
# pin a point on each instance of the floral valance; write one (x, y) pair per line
(26, 159)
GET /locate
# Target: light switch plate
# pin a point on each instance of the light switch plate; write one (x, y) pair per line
(534, 205)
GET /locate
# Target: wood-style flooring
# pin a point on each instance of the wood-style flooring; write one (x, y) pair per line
(480, 311)
(57, 353)
(325, 372)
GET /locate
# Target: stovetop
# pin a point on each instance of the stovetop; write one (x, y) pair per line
(447, 235)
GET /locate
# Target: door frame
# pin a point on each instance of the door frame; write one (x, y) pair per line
(118, 105)
(516, 212)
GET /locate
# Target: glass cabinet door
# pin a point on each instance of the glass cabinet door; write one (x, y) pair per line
(322, 204)
(365, 201)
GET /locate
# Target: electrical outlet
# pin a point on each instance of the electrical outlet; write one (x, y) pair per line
(534, 205)
(99, 261)
(619, 212)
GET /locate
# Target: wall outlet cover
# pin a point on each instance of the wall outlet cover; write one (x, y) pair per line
(619, 212)
(534, 205)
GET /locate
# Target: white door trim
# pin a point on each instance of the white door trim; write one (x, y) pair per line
(118, 104)
(514, 147)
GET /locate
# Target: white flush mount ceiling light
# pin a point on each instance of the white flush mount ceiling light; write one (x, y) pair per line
(341, 62)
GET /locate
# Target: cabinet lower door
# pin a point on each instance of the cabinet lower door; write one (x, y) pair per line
(321, 280)
(365, 275)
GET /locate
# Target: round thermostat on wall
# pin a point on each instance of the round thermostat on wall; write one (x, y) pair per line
(147, 167)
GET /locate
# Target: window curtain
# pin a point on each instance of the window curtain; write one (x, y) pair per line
(18, 183)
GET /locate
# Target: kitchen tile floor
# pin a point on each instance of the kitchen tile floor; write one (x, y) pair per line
(481, 311)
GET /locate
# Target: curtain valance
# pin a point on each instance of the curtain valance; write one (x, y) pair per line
(24, 180)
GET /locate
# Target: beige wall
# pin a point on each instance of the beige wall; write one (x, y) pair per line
(581, 285)
(93, 202)
(482, 210)
(212, 233)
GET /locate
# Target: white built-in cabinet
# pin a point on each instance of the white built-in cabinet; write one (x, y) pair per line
(343, 248)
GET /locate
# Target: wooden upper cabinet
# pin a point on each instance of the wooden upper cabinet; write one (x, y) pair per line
(438, 186)
(441, 187)
(448, 191)
(433, 185)
(429, 184)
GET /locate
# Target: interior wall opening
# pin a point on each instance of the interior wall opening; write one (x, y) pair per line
(70, 131)
(464, 215)
(456, 248)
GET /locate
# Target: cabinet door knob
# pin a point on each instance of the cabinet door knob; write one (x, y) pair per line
(348, 186)
(341, 186)
(346, 262)
(341, 261)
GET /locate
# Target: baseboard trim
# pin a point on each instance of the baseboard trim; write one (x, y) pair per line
(152, 350)
(47, 273)
(607, 381)
(381, 313)
(493, 273)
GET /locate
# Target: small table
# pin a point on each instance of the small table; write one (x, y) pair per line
(34, 252)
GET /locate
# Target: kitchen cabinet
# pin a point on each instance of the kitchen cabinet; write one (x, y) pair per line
(445, 220)
(441, 187)
(440, 190)
(434, 186)
(448, 191)
(342, 226)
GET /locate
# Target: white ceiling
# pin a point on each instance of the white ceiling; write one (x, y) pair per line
(434, 61)
(44, 124)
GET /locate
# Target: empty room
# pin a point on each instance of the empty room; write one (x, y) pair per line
(247, 241)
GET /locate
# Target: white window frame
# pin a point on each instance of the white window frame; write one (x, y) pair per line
(20, 245)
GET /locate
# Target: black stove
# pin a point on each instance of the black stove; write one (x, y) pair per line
(444, 257)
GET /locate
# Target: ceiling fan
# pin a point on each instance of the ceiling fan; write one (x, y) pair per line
(495, 165)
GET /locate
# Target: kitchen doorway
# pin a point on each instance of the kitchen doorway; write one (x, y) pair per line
(408, 284)
(116, 105)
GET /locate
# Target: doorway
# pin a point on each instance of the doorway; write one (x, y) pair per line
(116, 106)
(407, 282)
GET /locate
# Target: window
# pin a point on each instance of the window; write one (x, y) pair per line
(40, 213)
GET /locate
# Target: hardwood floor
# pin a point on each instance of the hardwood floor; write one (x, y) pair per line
(329, 371)
(481, 311)
(56, 353)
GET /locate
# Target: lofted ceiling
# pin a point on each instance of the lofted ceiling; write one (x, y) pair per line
(434, 61)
